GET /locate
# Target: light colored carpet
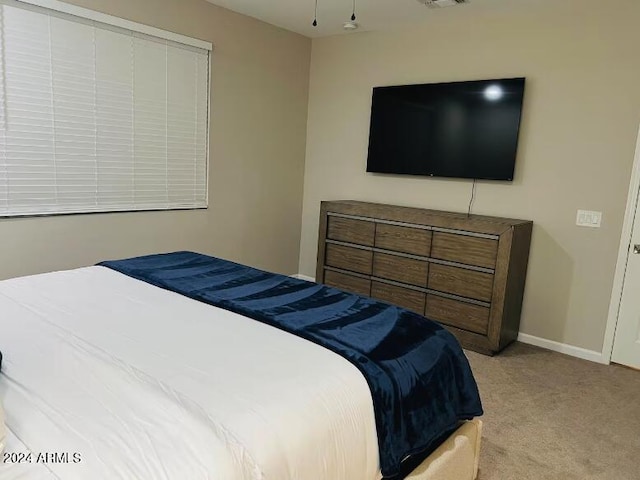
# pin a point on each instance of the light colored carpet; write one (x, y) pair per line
(549, 416)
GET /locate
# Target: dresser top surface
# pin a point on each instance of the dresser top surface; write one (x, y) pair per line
(415, 214)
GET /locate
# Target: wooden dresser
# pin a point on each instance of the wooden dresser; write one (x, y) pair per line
(466, 272)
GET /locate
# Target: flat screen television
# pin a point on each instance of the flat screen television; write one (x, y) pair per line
(459, 129)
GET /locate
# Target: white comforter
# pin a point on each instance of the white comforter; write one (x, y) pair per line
(141, 383)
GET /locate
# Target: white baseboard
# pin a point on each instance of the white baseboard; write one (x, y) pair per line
(303, 277)
(579, 352)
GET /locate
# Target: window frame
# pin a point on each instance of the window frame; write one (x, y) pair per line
(85, 14)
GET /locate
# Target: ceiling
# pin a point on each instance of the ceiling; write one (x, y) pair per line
(297, 15)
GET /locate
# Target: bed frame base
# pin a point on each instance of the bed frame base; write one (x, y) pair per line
(456, 459)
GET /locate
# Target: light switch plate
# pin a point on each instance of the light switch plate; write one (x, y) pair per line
(589, 218)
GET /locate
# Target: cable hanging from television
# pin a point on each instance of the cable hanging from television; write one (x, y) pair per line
(473, 197)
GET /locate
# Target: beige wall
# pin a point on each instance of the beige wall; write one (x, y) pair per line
(581, 116)
(260, 78)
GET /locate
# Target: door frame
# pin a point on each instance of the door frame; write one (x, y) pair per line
(633, 201)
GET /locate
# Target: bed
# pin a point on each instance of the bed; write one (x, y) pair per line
(108, 376)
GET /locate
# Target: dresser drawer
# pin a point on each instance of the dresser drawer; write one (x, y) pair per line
(467, 316)
(400, 269)
(361, 286)
(458, 281)
(402, 297)
(349, 258)
(481, 252)
(403, 239)
(350, 230)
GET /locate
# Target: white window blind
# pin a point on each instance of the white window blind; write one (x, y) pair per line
(97, 118)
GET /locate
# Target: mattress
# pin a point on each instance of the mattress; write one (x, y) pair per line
(108, 377)
(140, 382)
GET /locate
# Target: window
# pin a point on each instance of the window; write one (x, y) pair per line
(95, 117)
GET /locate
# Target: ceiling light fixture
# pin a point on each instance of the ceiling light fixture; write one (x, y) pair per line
(350, 25)
(442, 3)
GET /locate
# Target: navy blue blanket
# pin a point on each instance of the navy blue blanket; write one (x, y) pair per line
(420, 380)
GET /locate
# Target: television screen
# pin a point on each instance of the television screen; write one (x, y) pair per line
(460, 129)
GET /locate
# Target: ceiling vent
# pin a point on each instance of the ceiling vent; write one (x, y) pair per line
(442, 3)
